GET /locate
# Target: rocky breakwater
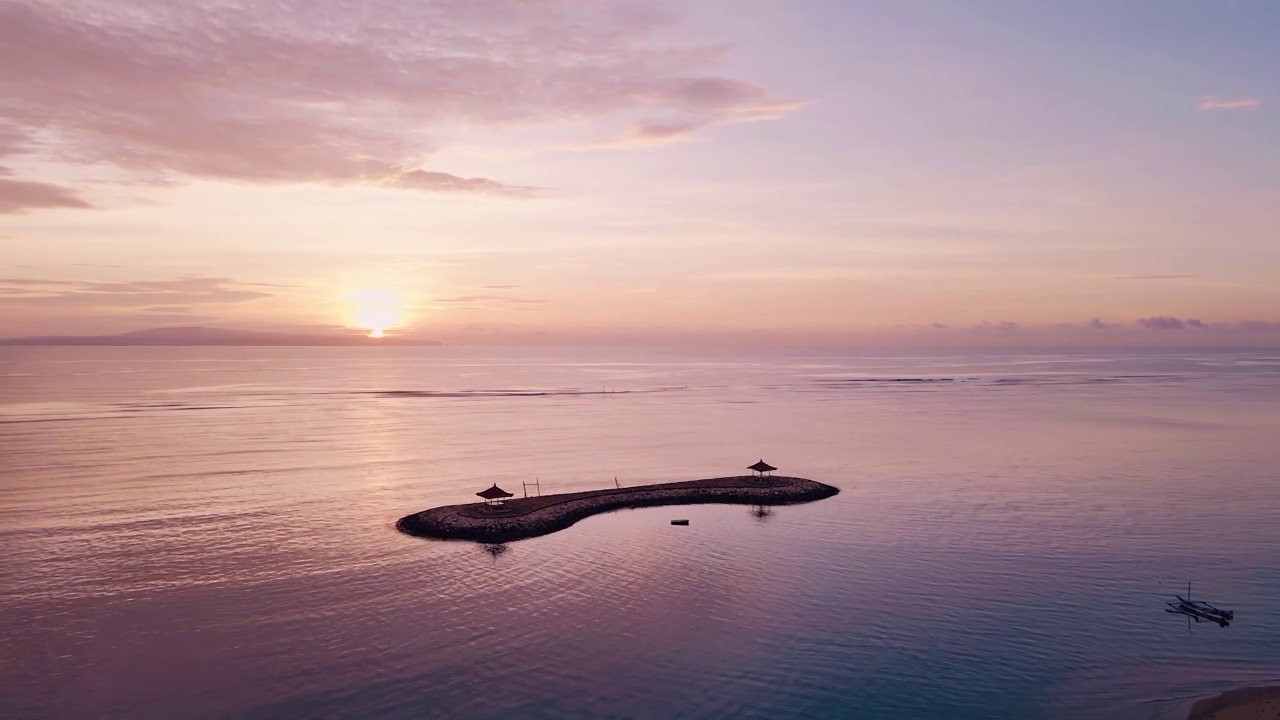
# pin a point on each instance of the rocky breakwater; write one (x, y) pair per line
(531, 517)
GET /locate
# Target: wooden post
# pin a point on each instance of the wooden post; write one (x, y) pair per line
(537, 485)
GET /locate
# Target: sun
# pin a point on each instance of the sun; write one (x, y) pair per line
(376, 310)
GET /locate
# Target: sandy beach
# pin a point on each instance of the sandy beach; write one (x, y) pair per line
(1253, 703)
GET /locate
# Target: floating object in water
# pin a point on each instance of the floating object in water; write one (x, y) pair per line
(1199, 610)
(679, 522)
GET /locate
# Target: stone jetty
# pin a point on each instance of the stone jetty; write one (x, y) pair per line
(534, 516)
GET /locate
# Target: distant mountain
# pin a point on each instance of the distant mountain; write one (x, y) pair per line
(216, 336)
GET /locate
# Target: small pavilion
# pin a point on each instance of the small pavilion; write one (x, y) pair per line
(762, 468)
(494, 495)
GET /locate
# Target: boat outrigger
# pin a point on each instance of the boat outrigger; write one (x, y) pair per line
(1199, 610)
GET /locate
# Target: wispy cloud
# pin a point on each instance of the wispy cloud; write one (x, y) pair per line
(87, 296)
(330, 91)
(483, 299)
(19, 195)
(444, 182)
(1157, 277)
(657, 132)
(20, 285)
(787, 273)
(1210, 102)
(1002, 328)
(683, 129)
(161, 318)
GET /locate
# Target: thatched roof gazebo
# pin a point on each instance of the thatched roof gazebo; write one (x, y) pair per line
(762, 468)
(494, 495)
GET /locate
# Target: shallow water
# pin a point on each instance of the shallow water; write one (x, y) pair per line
(206, 533)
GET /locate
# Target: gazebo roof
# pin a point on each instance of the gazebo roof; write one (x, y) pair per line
(494, 493)
(762, 466)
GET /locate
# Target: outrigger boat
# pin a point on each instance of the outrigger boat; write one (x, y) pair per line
(1199, 609)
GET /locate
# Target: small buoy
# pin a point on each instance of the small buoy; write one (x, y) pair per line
(679, 522)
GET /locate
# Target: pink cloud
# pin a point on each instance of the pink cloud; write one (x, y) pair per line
(185, 292)
(1210, 102)
(656, 132)
(444, 182)
(18, 195)
(336, 92)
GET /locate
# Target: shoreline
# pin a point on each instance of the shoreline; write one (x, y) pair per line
(535, 516)
(1261, 702)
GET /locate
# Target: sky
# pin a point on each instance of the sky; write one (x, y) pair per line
(613, 171)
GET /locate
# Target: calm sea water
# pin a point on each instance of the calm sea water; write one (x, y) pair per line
(207, 533)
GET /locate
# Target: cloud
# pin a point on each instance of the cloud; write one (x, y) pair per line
(810, 272)
(1209, 102)
(16, 284)
(1162, 322)
(501, 299)
(1165, 322)
(938, 326)
(151, 318)
(1097, 324)
(500, 287)
(19, 195)
(83, 296)
(754, 104)
(444, 182)
(655, 132)
(339, 92)
(1001, 328)
(1157, 277)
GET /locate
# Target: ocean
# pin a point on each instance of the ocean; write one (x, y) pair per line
(208, 533)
